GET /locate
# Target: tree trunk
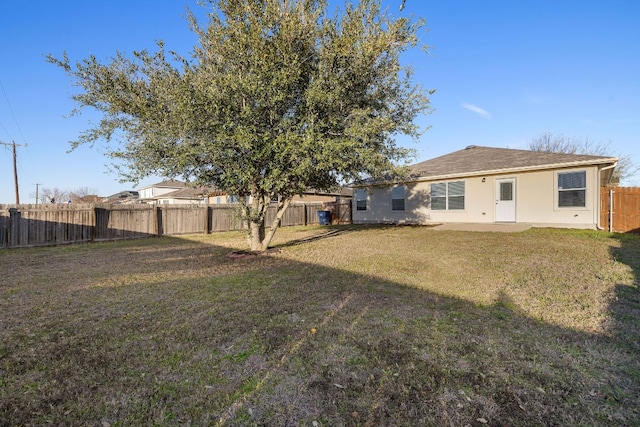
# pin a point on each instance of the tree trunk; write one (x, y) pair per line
(282, 207)
(254, 218)
(259, 240)
(256, 235)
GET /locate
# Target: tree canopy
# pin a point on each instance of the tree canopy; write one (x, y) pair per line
(277, 97)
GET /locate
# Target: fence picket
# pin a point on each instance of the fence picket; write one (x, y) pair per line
(44, 225)
(625, 211)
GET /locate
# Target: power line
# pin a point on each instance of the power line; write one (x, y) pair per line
(5, 129)
(11, 110)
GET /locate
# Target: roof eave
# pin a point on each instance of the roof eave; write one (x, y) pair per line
(565, 165)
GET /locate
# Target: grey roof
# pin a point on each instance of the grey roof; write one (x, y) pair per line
(341, 191)
(169, 183)
(191, 193)
(477, 160)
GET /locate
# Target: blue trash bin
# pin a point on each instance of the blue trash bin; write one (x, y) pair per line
(324, 217)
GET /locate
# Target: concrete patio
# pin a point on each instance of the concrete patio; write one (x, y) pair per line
(505, 227)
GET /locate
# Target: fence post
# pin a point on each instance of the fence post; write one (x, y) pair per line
(206, 219)
(4, 221)
(158, 221)
(610, 210)
(13, 237)
(92, 223)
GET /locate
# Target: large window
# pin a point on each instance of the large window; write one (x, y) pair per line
(361, 199)
(572, 189)
(447, 196)
(397, 198)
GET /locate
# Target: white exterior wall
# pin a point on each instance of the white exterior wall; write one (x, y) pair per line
(536, 202)
(149, 192)
(162, 201)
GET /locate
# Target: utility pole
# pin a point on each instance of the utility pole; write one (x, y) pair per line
(37, 184)
(15, 166)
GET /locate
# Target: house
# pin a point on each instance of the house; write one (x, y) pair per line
(177, 192)
(150, 193)
(122, 197)
(189, 195)
(491, 185)
(316, 196)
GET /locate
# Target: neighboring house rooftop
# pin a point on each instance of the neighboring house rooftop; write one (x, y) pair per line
(339, 192)
(122, 197)
(476, 160)
(189, 193)
(169, 183)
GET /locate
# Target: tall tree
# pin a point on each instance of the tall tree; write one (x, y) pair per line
(80, 194)
(277, 97)
(53, 195)
(558, 143)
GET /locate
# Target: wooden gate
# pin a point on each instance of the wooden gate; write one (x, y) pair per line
(620, 209)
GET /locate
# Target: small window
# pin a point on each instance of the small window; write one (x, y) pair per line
(361, 199)
(447, 196)
(506, 191)
(572, 189)
(397, 198)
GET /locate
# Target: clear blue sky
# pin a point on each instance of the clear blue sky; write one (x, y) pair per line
(504, 72)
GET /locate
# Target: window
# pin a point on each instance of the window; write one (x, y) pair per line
(447, 196)
(439, 196)
(506, 191)
(572, 189)
(397, 198)
(361, 199)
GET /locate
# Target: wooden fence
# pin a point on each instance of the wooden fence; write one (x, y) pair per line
(45, 225)
(620, 209)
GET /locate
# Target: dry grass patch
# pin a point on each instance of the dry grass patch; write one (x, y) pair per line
(341, 326)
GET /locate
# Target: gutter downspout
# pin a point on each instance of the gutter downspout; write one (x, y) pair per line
(610, 199)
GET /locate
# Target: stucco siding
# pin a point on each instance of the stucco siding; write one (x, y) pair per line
(536, 202)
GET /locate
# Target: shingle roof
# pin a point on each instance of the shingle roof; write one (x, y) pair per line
(192, 193)
(342, 191)
(477, 160)
(169, 183)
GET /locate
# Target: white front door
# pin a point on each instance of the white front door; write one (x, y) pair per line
(506, 200)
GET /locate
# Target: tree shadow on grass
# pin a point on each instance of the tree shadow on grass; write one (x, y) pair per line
(625, 317)
(331, 231)
(171, 331)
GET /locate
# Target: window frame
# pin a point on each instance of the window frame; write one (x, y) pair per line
(358, 200)
(446, 196)
(398, 203)
(560, 190)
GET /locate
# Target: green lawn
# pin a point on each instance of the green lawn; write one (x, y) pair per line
(339, 326)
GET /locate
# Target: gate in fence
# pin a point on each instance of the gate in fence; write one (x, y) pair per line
(620, 209)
